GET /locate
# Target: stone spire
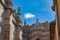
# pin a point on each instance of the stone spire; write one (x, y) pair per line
(18, 25)
(18, 13)
(37, 20)
(18, 16)
(24, 23)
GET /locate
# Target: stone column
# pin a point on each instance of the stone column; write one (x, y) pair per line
(18, 26)
(7, 25)
(58, 16)
(6, 30)
(56, 8)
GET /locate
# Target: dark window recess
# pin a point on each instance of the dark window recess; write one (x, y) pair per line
(37, 39)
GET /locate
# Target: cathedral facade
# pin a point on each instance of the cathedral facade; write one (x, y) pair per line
(11, 25)
(37, 31)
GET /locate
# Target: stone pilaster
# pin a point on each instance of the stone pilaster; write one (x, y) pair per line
(6, 31)
(55, 7)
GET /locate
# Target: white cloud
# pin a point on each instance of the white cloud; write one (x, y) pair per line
(29, 15)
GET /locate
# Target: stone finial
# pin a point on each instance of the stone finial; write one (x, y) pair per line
(46, 21)
(24, 23)
(27, 25)
(37, 20)
(18, 13)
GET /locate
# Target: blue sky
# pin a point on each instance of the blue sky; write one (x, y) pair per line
(32, 9)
